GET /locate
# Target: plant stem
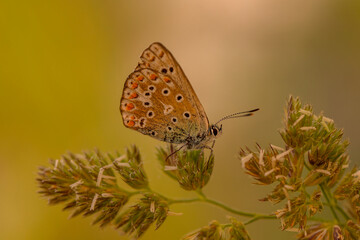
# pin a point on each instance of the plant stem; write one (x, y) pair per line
(259, 217)
(223, 206)
(331, 203)
(150, 190)
(134, 193)
(342, 212)
(229, 209)
(190, 200)
(253, 216)
(203, 198)
(315, 219)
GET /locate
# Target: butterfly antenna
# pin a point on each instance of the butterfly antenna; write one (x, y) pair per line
(239, 114)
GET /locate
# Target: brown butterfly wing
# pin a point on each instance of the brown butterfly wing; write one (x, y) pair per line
(153, 104)
(158, 58)
(160, 103)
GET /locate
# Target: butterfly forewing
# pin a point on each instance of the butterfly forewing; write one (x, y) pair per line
(158, 58)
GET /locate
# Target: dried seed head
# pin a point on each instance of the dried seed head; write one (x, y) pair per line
(86, 182)
(130, 168)
(189, 167)
(215, 230)
(137, 219)
(349, 189)
(351, 230)
(322, 231)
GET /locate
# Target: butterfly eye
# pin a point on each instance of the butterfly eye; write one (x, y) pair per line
(174, 119)
(165, 91)
(150, 114)
(179, 98)
(186, 115)
(164, 70)
(215, 131)
(171, 69)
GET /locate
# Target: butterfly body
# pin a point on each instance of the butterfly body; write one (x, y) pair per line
(158, 100)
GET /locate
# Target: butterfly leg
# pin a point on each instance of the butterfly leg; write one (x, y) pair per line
(211, 148)
(213, 144)
(174, 152)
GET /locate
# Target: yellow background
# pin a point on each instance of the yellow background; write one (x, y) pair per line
(63, 65)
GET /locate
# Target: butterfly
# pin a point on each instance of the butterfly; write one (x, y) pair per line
(158, 100)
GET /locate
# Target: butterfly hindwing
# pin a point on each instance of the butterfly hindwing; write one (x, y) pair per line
(155, 105)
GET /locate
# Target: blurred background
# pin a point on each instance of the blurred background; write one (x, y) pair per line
(62, 69)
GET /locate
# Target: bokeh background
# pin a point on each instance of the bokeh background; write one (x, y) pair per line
(63, 65)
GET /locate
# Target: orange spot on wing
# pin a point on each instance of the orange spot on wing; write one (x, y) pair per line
(132, 117)
(140, 78)
(131, 123)
(166, 79)
(134, 85)
(129, 106)
(152, 58)
(153, 76)
(133, 95)
(161, 54)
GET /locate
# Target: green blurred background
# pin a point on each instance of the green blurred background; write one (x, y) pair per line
(63, 65)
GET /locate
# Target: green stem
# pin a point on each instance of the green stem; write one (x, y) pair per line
(134, 193)
(203, 198)
(251, 220)
(174, 201)
(331, 203)
(315, 219)
(150, 190)
(254, 219)
(201, 194)
(342, 212)
(121, 190)
(253, 216)
(229, 209)
(225, 225)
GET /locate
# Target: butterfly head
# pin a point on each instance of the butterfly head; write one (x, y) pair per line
(215, 130)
